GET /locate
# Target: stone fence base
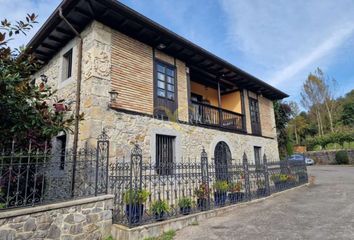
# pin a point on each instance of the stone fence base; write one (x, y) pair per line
(328, 156)
(89, 218)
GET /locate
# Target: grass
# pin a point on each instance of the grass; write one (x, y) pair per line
(165, 236)
(109, 238)
(195, 223)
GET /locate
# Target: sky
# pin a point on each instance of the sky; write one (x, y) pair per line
(280, 42)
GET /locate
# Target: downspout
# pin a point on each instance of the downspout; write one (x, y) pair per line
(78, 98)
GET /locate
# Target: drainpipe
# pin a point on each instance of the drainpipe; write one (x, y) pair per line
(78, 91)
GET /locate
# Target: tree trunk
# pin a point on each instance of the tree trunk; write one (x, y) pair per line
(329, 117)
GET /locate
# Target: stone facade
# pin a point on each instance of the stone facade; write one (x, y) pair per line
(112, 60)
(75, 220)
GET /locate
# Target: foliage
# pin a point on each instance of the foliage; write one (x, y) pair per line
(165, 236)
(136, 196)
(260, 183)
(202, 192)
(336, 137)
(283, 113)
(160, 206)
(235, 187)
(347, 115)
(25, 107)
(342, 157)
(185, 202)
(281, 178)
(220, 186)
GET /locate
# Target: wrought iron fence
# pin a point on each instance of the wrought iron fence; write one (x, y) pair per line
(35, 176)
(143, 193)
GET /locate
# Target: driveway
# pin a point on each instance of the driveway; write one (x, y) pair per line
(322, 211)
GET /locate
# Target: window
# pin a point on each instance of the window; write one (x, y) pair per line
(165, 77)
(254, 112)
(165, 152)
(257, 157)
(61, 141)
(67, 64)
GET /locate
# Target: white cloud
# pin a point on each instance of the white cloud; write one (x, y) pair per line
(288, 38)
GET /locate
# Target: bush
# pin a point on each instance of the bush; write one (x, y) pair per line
(342, 157)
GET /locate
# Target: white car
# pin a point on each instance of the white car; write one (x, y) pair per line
(300, 157)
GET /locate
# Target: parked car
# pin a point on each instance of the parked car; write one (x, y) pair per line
(300, 157)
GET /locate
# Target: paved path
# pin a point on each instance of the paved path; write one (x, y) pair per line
(322, 211)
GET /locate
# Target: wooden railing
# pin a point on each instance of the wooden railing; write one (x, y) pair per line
(205, 114)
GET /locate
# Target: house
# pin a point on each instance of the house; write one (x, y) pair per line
(147, 85)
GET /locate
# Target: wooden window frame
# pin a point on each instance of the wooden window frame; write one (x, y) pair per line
(256, 130)
(166, 84)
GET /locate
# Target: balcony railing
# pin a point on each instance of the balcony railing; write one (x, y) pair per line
(205, 114)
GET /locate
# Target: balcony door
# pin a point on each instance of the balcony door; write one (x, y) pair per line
(165, 102)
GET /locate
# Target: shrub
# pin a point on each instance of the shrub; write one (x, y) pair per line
(160, 206)
(136, 196)
(342, 157)
(235, 187)
(202, 192)
(220, 186)
(185, 202)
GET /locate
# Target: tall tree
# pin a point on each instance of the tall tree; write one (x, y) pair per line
(283, 115)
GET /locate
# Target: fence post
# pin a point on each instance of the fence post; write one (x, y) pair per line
(247, 177)
(135, 211)
(102, 163)
(266, 174)
(304, 167)
(205, 173)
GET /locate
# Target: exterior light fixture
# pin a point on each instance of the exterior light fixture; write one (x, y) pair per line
(161, 46)
(113, 94)
(44, 78)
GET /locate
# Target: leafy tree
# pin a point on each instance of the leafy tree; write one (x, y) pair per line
(26, 111)
(283, 115)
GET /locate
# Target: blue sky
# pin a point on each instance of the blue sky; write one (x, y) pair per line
(277, 41)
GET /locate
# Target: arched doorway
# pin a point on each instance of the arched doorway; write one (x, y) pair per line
(222, 160)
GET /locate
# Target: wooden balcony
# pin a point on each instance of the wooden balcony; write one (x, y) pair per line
(205, 114)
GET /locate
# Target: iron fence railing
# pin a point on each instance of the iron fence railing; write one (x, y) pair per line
(142, 195)
(30, 177)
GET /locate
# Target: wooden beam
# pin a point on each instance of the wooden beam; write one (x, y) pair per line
(64, 31)
(48, 46)
(55, 39)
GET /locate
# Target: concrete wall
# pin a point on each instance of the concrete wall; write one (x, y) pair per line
(89, 218)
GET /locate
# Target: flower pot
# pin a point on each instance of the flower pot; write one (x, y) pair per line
(261, 192)
(185, 210)
(279, 186)
(236, 197)
(220, 198)
(202, 204)
(134, 212)
(160, 216)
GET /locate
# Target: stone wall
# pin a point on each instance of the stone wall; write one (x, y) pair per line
(89, 218)
(328, 157)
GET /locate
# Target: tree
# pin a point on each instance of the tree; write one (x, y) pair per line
(25, 107)
(283, 115)
(318, 94)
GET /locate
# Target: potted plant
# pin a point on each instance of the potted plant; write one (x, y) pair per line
(279, 180)
(220, 193)
(185, 205)
(134, 200)
(291, 180)
(202, 194)
(261, 190)
(160, 209)
(235, 194)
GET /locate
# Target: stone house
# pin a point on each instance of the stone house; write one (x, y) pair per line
(174, 97)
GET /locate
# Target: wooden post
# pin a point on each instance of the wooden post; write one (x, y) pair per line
(219, 103)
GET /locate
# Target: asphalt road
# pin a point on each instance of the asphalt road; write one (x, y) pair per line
(322, 211)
